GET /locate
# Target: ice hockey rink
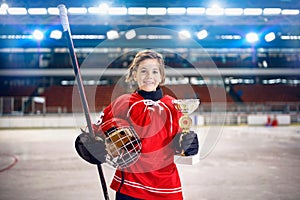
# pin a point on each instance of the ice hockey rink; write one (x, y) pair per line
(247, 162)
(240, 59)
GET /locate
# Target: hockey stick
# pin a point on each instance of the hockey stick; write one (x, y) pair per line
(66, 29)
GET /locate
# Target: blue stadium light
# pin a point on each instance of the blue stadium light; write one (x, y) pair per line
(117, 11)
(253, 11)
(77, 10)
(252, 37)
(53, 11)
(290, 12)
(270, 37)
(112, 35)
(56, 34)
(130, 34)
(37, 11)
(215, 10)
(97, 11)
(157, 11)
(17, 11)
(271, 11)
(202, 34)
(137, 11)
(176, 11)
(38, 35)
(233, 11)
(195, 11)
(184, 34)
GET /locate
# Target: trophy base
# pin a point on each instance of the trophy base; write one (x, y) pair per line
(187, 160)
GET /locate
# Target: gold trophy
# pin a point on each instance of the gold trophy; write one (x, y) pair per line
(186, 107)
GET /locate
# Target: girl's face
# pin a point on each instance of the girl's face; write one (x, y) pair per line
(148, 75)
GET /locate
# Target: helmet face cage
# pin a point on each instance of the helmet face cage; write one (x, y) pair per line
(123, 146)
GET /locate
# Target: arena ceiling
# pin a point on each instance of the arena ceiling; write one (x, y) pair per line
(13, 26)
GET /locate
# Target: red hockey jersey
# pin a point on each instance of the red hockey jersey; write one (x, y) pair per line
(154, 175)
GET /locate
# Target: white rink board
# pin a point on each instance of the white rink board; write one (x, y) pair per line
(262, 119)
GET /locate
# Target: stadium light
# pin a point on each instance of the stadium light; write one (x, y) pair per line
(215, 11)
(112, 34)
(252, 37)
(53, 11)
(272, 11)
(56, 34)
(176, 11)
(96, 10)
(17, 11)
(88, 37)
(37, 11)
(195, 11)
(117, 11)
(233, 11)
(228, 37)
(290, 12)
(202, 34)
(75, 10)
(270, 37)
(137, 11)
(38, 35)
(290, 37)
(184, 34)
(130, 34)
(156, 11)
(253, 11)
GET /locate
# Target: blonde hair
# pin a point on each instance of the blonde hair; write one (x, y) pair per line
(141, 56)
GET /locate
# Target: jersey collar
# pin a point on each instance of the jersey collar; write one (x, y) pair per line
(153, 95)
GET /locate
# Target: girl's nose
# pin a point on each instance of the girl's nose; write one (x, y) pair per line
(148, 75)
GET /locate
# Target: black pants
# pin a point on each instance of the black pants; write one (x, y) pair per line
(120, 196)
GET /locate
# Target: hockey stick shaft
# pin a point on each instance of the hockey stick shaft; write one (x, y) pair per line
(66, 30)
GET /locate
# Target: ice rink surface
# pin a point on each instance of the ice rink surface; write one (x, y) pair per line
(255, 163)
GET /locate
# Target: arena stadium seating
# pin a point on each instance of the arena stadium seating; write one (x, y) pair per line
(268, 93)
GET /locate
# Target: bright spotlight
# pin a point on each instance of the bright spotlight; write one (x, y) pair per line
(184, 35)
(252, 37)
(56, 34)
(202, 34)
(270, 37)
(112, 34)
(130, 34)
(38, 35)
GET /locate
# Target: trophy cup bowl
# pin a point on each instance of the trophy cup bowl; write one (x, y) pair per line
(186, 107)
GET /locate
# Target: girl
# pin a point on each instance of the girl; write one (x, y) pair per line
(155, 119)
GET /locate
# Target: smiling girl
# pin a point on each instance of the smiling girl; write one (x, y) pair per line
(155, 119)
